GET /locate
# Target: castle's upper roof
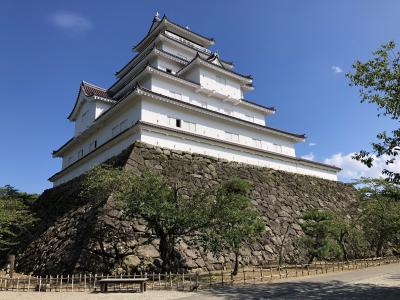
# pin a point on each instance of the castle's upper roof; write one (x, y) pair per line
(166, 24)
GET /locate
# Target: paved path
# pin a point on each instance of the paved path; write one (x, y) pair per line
(368, 284)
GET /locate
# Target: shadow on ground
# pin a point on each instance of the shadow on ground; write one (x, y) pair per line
(304, 290)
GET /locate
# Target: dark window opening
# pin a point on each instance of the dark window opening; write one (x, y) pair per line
(178, 123)
(169, 71)
(95, 144)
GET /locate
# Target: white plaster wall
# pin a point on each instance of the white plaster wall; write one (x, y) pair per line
(164, 63)
(208, 79)
(100, 157)
(176, 143)
(101, 107)
(157, 112)
(130, 112)
(163, 86)
(88, 109)
(180, 51)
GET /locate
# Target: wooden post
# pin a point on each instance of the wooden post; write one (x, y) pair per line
(170, 279)
(209, 274)
(183, 280)
(40, 283)
(17, 284)
(244, 276)
(261, 274)
(152, 284)
(197, 280)
(254, 275)
(166, 279)
(270, 272)
(159, 281)
(308, 269)
(11, 264)
(29, 282)
(222, 277)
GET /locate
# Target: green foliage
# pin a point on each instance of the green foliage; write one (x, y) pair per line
(237, 223)
(374, 223)
(15, 215)
(221, 219)
(380, 213)
(379, 83)
(319, 229)
(167, 212)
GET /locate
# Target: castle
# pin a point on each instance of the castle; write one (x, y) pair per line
(177, 94)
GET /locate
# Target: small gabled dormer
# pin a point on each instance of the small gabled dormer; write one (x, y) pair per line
(92, 101)
(216, 80)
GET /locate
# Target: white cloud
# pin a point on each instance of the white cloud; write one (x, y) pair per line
(353, 169)
(309, 156)
(71, 22)
(337, 69)
(312, 144)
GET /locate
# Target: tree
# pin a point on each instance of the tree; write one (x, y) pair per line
(169, 214)
(15, 215)
(318, 227)
(379, 83)
(380, 215)
(345, 230)
(237, 223)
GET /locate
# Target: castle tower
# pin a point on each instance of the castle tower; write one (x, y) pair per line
(177, 94)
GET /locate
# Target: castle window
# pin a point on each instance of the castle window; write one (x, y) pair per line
(249, 118)
(257, 143)
(278, 147)
(176, 95)
(178, 123)
(115, 130)
(93, 145)
(123, 125)
(233, 137)
(190, 126)
(168, 71)
(80, 153)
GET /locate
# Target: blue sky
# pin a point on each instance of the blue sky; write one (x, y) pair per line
(297, 52)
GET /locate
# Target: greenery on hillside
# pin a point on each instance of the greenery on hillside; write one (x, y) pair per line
(378, 81)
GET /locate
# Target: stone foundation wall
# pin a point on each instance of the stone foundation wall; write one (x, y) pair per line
(77, 235)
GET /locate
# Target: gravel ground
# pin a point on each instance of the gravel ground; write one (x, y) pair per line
(149, 295)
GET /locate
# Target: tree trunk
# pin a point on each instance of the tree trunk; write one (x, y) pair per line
(310, 260)
(344, 250)
(379, 248)
(236, 267)
(343, 246)
(166, 249)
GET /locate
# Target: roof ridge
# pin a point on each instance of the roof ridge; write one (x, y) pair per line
(93, 85)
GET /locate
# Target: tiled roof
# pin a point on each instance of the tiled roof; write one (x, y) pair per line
(93, 90)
